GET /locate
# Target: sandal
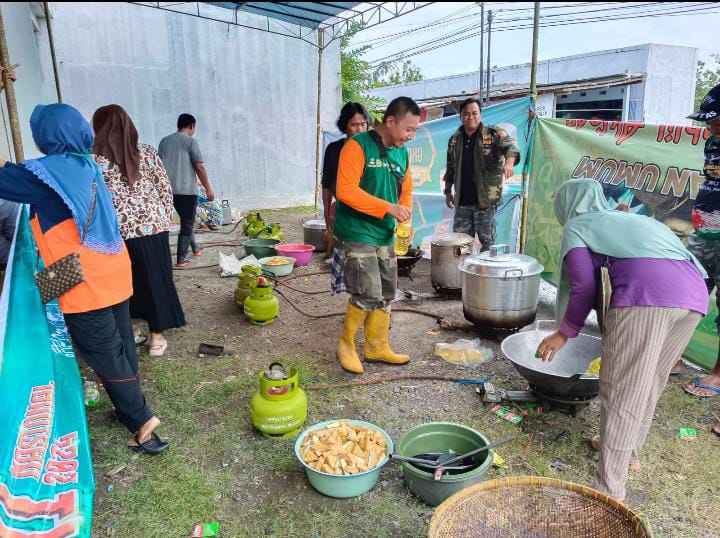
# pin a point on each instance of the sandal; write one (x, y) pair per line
(698, 384)
(198, 253)
(152, 446)
(158, 350)
(183, 263)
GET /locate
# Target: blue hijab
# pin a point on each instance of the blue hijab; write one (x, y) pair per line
(65, 137)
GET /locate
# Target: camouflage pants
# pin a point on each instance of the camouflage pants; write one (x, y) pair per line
(370, 274)
(708, 252)
(471, 220)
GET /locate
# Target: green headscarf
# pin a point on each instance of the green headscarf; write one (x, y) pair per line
(581, 207)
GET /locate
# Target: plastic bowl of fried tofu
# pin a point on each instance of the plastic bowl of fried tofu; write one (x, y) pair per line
(343, 458)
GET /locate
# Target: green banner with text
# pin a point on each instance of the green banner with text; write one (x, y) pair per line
(653, 170)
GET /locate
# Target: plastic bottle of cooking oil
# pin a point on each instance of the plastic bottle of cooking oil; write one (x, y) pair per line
(403, 236)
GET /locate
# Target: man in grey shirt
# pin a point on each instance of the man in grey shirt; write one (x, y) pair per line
(183, 161)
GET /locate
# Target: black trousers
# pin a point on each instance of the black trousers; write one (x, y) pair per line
(186, 206)
(105, 340)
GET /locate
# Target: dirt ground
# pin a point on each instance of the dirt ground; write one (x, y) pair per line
(220, 469)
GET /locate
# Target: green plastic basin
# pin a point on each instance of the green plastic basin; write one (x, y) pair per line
(343, 487)
(440, 437)
(260, 248)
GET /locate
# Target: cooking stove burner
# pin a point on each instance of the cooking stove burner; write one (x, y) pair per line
(563, 404)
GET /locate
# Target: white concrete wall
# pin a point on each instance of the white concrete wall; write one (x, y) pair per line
(670, 84)
(254, 93)
(27, 45)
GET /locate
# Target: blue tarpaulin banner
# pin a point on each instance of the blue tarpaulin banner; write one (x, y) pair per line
(428, 158)
(46, 476)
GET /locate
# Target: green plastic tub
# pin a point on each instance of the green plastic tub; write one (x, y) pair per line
(260, 248)
(439, 437)
(343, 487)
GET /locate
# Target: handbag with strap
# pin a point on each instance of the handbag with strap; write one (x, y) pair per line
(604, 297)
(60, 277)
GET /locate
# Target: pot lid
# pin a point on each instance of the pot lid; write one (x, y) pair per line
(314, 224)
(452, 240)
(499, 262)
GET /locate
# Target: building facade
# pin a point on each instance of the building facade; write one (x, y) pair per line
(649, 83)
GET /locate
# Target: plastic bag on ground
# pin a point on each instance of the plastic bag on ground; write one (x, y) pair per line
(231, 266)
(464, 352)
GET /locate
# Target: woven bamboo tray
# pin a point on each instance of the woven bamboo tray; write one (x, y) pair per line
(534, 507)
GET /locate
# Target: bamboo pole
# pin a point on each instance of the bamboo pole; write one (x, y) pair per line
(10, 94)
(46, 8)
(533, 97)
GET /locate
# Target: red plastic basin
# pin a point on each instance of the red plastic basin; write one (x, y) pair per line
(301, 252)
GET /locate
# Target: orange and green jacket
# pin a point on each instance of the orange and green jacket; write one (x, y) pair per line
(369, 182)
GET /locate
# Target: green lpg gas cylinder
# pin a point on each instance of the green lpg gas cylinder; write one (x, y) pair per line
(246, 281)
(261, 306)
(279, 408)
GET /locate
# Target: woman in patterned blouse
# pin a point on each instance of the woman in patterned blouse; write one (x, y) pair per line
(142, 196)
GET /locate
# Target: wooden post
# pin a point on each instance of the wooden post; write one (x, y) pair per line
(10, 94)
(533, 97)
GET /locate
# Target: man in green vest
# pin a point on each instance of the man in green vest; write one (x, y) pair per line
(374, 193)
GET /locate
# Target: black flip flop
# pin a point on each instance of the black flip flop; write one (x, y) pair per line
(152, 446)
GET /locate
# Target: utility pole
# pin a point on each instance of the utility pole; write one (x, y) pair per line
(487, 84)
(533, 65)
(482, 51)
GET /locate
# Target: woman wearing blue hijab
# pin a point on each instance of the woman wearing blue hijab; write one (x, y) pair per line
(71, 212)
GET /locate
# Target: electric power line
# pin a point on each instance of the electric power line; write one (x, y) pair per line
(422, 48)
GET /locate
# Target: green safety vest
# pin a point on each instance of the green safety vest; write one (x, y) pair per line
(380, 179)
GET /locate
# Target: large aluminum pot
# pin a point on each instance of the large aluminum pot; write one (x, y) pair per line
(446, 253)
(314, 234)
(499, 289)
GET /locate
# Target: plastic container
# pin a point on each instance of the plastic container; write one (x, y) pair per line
(283, 269)
(403, 236)
(440, 437)
(300, 251)
(464, 352)
(343, 487)
(92, 394)
(260, 248)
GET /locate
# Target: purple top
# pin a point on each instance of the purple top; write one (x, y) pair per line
(635, 282)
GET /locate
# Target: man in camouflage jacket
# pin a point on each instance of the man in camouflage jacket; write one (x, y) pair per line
(479, 158)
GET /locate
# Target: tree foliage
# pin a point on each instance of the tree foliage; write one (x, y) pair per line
(357, 76)
(390, 74)
(708, 76)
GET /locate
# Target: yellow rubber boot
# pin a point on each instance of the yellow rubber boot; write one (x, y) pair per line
(346, 352)
(377, 339)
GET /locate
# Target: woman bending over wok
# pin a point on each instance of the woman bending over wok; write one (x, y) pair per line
(658, 298)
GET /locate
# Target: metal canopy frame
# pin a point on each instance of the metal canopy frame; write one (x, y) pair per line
(298, 20)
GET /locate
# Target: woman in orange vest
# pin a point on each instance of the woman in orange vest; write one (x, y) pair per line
(71, 212)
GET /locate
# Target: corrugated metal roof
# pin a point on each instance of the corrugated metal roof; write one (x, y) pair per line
(307, 14)
(513, 91)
